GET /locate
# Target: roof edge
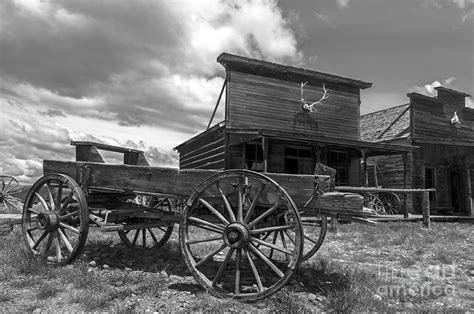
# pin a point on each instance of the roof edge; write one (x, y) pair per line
(226, 58)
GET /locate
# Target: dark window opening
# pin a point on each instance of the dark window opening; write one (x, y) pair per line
(298, 160)
(339, 160)
(254, 157)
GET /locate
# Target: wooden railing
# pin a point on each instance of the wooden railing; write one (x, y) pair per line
(426, 197)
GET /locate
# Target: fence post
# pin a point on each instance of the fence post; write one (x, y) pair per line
(426, 209)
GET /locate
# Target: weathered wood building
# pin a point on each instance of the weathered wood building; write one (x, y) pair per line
(267, 129)
(443, 129)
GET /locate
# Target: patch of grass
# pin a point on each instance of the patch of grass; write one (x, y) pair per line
(5, 296)
(47, 290)
(444, 256)
(78, 274)
(287, 302)
(91, 300)
(408, 261)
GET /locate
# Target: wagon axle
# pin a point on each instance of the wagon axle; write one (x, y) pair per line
(48, 220)
(236, 235)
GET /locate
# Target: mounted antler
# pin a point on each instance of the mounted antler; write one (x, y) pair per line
(305, 106)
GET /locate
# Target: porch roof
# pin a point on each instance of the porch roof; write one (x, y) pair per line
(372, 149)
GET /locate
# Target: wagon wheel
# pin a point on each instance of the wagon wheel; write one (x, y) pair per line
(152, 237)
(391, 202)
(372, 201)
(314, 233)
(9, 184)
(241, 235)
(55, 219)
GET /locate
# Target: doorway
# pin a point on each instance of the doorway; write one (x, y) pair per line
(457, 191)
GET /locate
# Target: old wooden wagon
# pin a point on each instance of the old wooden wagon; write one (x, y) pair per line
(241, 233)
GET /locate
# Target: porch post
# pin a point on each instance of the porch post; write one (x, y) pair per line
(265, 154)
(470, 208)
(364, 158)
(405, 162)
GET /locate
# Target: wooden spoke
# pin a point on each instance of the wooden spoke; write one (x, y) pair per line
(69, 198)
(272, 245)
(309, 239)
(65, 240)
(59, 195)
(214, 211)
(254, 271)
(48, 244)
(69, 215)
(226, 204)
(288, 235)
(41, 237)
(144, 238)
(208, 228)
(137, 232)
(206, 223)
(210, 239)
(68, 227)
(254, 203)
(271, 229)
(237, 271)
(59, 256)
(33, 210)
(265, 214)
(210, 255)
(42, 201)
(262, 256)
(283, 240)
(223, 266)
(29, 240)
(50, 196)
(155, 240)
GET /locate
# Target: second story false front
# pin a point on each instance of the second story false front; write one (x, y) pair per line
(269, 96)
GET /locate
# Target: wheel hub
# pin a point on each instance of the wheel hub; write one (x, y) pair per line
(48, 220)
(236, 235)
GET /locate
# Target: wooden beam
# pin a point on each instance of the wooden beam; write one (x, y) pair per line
(217, 104)
(405, 196)
(265, 153)
(426, 209)
(469, 192)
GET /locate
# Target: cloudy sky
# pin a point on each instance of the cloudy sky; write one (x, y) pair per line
(143, 73)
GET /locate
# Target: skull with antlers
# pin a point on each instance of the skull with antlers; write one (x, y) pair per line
(310, 107)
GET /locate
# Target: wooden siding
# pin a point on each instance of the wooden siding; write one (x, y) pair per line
(432, 121)
(206, 152)
(257, 102)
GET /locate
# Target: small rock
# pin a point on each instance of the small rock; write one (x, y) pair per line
(128, 269)
(105, 266)
(471, 272)
(377, 297)
(312, 297)
(92, 264)
(409, 305)
(90, 270)
(37, 310)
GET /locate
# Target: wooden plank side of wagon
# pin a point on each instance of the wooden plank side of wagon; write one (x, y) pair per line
(164, 180)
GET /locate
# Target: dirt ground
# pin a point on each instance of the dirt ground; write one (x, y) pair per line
(392, 267)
